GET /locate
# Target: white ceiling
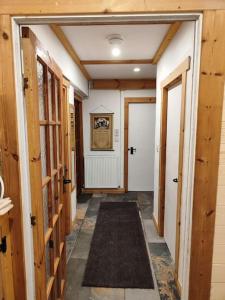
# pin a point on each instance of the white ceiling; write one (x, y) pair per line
(140, 42)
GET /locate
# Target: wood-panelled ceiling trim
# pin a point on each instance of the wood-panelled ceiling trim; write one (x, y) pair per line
(174, 27)
(54, 7)
(116, 62)
(166, 41)
(69, 48)
(123, 84)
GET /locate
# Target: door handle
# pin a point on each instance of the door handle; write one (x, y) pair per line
(132, 150)
(175, 180)
(66, 181)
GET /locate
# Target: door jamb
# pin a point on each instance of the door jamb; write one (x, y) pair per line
(78, 104)
(126, 130)
(178, 75)
(67, 160)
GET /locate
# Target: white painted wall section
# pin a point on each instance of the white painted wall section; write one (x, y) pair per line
(111, 101)
(55, 48)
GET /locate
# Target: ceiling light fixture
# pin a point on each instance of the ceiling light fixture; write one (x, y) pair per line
(115, 40)
(137, 69)
(116, 51)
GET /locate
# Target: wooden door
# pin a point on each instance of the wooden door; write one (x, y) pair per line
(172, 165)
(79, 144)
(43, 97)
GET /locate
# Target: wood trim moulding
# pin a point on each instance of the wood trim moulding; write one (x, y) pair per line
(103, 191)
(121, 22)
(210, 107)
(166, 41)
(69, 48)
(155, 223)
(116, 62)
(123, 84)
(41, 7)
(10, 154)
(179, 75)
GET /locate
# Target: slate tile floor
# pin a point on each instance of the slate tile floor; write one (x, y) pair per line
(78, 246)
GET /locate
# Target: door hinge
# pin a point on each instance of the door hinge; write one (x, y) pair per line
(51, 244)
(25, 84)
(33, 220)
(3, 245)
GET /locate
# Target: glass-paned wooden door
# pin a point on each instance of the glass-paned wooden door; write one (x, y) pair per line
(43, 93)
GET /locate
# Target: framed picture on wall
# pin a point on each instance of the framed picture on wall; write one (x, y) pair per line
(101, 131)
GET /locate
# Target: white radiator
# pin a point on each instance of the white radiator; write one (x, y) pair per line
(101, 171)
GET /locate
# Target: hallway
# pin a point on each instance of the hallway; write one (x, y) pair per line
(78, 245)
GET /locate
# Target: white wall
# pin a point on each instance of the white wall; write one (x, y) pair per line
(182, 46)
(109, 101)
(56, 50)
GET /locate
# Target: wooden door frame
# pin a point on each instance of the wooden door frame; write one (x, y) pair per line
(127, 102)
(81, 148)
(177, 76)
(210, 103)
(67, 156)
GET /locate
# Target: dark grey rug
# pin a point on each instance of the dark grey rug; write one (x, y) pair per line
(118, 256)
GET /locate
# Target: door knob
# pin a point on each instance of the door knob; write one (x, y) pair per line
(175, 180)
(132, 150)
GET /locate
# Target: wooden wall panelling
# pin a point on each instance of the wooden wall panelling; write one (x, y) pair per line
(211, 89)
(42, 7)
(10, 152)
(6, 271)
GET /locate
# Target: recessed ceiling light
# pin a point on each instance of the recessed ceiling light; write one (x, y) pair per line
(137, 69)
(116, 51)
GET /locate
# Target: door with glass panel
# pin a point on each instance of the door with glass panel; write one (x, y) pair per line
(43, 94)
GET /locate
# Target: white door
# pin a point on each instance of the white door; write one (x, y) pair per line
(172, 159)
(142, 138)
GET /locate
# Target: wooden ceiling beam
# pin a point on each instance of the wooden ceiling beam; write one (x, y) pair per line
(123, 84)
(69, 48)
(166, 41)
(116, 62)
(100, 23)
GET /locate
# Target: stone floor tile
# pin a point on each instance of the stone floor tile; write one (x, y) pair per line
(164, 271)
(146, 211)
(84, 198)
(89, 224)
(151, 233)
(107, 294)
(82, 246)
(139, 294)
(145, 197)
(74, 289)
